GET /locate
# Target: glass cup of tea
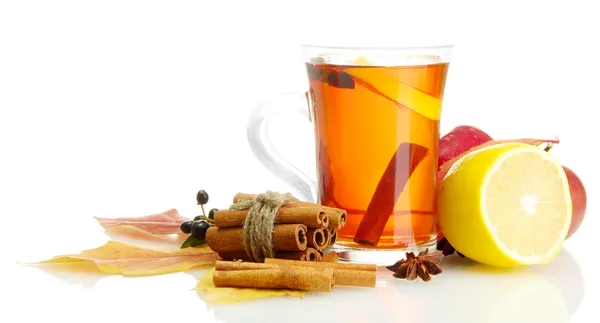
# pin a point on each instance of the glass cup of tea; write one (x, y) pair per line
(376, 117)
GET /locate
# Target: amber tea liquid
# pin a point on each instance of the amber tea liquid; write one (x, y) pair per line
(377, 139)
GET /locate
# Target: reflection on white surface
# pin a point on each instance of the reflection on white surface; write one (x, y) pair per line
(84, 275)
(464, 292)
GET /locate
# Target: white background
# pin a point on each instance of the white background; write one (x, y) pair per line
(124, 108)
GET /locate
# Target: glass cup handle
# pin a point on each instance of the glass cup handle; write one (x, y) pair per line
(264, 150)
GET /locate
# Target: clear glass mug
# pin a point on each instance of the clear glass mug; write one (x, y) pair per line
(376, 115)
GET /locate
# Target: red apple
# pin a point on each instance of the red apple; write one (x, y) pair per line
(459, 140)
(579, 198)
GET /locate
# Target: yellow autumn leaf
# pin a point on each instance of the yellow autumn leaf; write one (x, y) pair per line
(212, 294)
(119, 258)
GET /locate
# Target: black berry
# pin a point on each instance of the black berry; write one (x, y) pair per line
(198, 218)
(211, 214)
(186, 227)
(202, 197)
(199, 229)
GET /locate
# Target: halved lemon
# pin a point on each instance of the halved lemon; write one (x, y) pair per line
(506, 205)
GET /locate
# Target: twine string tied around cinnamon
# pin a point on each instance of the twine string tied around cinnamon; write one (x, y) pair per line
(260, 223)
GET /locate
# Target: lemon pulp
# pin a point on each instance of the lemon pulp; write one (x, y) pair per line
(506, 205)
(526, 199)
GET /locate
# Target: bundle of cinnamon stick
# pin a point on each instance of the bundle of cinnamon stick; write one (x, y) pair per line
(293, 274)
(303, 230)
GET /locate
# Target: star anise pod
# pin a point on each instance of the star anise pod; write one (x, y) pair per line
(423, 265)
(446, 248)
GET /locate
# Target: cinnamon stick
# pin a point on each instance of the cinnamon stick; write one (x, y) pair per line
(241, 255)
(336, 265)
(317, 257)
(288, 255)
(309, 254)
(292, 255)
(332, 236)
(316, 238)
(234, 255)
(337, 217)
(310, 216)
(361, 278)
(290, 277)
(345, 274)
(395, 177)
(285, 237)
(326, 236)
(330, 257)
(242, 265)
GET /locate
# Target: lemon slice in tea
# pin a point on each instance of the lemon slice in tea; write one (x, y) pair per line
(394, 89)
(506, 205)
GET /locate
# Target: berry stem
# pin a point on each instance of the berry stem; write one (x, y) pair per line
(203, 213)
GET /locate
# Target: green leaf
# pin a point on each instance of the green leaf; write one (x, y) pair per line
(192, 242)
(187, 242)
(197, 242)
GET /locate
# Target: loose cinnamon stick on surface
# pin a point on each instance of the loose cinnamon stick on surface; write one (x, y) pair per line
(337, 217)
(345, 274)
(350, 277)
(332, 236)
(362, 267)
(285, 237)
(242, 265)
(310, 254)
(316, 238)
(312, 217)
(290, 277)
(395, 177)
(331, 256)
